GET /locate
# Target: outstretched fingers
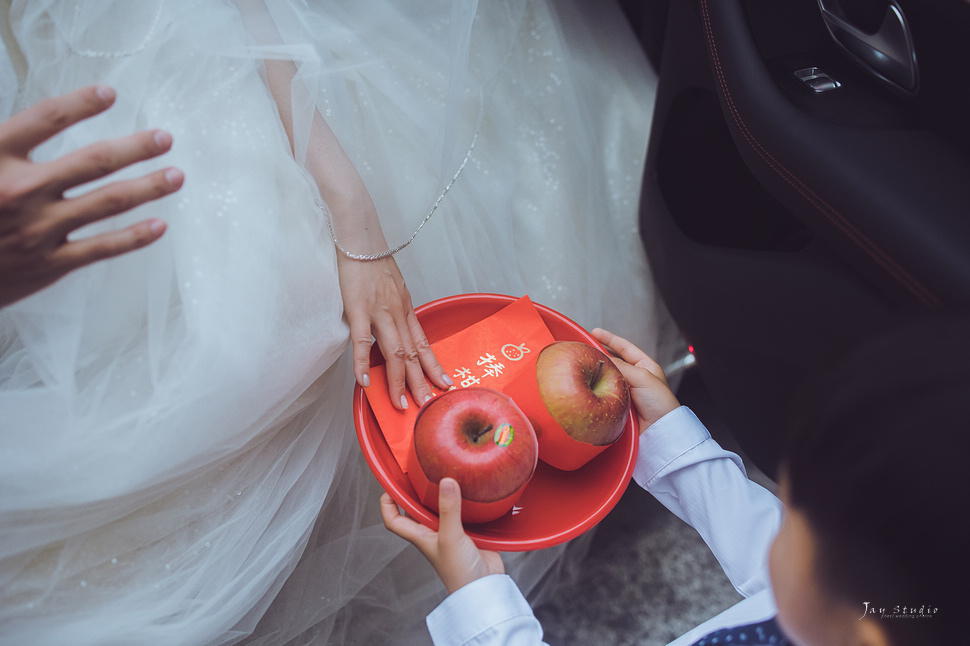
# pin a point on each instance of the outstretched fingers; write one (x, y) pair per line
(37, 220)
(104, 158)
(27, 129)
(78, 253)
(113, 199)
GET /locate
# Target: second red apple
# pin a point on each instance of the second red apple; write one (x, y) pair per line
(584, 392)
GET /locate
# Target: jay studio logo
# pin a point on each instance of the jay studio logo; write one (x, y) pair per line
(925, 611)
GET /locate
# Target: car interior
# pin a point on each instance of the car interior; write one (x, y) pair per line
(807, 185)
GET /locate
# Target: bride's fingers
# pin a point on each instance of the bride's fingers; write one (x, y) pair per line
(429, 362)
(362, 340)
(413, 370)
(396, 358)
(401, 362)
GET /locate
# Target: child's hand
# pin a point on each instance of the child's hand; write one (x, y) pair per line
(451, 552)
(652, 397)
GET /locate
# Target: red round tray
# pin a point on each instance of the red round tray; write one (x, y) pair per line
(556, 505)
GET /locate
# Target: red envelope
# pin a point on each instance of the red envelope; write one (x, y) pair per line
(491, 353)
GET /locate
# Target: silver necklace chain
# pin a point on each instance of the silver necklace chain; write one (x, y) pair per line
(88, 53)
(391, 252)
(92, 53)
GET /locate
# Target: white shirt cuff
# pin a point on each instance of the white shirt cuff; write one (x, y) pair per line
(490, 610)
(666, 441)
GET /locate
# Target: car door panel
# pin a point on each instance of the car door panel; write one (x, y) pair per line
(784, 225)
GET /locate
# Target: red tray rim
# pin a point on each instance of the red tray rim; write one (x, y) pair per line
(479, 534)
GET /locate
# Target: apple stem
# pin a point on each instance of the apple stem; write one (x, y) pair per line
(596, 375)
(487, 429)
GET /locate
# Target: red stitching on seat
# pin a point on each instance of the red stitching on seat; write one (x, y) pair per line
(883, 259)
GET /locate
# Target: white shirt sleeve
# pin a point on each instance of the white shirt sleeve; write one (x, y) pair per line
(490, 610)
(708, 488)
(704, 485)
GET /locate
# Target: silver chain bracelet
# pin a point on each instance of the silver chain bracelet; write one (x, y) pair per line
(391, 252)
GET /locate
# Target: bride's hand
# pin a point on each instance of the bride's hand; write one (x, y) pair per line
(376, 301)
(377, 304)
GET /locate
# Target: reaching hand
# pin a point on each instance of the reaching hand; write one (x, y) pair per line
(377, 302)
(651, 395)
(35, 217)
(451, 552)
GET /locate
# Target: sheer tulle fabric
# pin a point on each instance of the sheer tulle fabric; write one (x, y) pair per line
(179, 462)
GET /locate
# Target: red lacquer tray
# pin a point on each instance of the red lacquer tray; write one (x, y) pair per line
(556, 505)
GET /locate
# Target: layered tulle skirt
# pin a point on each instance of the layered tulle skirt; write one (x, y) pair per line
(177, 455)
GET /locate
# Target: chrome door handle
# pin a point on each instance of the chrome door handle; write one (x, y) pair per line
(888, 53)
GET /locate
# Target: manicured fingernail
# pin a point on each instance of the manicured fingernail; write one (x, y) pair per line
(427, 397)
(366, 380)
(105, 93)
(404, 402)
(157, 226)
(445, 378)
(162, 139)
(174, 176)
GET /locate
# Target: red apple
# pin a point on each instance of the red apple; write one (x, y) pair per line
(482, 439)
(584, 391)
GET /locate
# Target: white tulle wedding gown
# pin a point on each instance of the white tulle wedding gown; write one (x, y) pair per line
(178, 463)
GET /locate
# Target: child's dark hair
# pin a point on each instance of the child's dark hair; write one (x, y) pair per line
(879, 462)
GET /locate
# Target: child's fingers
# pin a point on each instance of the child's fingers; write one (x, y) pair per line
(404, 527)
(449, 510)
(389, 512)
(628, 352)
(623, 348)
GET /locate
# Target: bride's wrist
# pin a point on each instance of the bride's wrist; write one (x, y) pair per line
(357, 227)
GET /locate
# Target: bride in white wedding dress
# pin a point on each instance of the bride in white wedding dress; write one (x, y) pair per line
(178, 461)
